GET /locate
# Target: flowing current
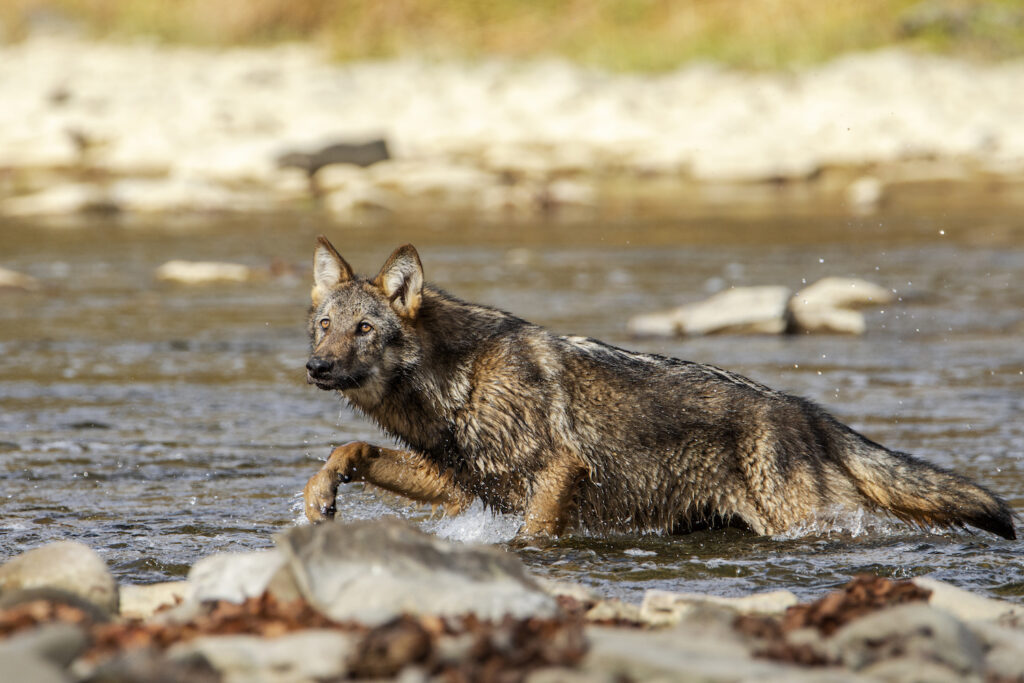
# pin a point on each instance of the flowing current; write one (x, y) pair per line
(161, 423)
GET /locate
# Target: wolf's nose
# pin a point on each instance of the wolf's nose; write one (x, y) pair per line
(318, 366)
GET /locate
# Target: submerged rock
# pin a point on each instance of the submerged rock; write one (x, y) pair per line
(65, 565)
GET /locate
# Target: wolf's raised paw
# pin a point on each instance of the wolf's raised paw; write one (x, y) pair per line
(319, 495)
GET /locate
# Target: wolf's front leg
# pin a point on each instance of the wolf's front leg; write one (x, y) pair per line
(406, 473)
(551, 503)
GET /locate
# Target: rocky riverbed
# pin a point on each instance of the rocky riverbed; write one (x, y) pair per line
(382, 600)
(140, 128)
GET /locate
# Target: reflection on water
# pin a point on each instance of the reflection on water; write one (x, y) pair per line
(161, 423)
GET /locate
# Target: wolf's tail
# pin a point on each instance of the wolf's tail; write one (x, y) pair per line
(916, 491)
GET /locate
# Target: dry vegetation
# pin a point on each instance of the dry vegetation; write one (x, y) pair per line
(618, 34)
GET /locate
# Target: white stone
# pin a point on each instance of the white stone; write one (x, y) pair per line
(826, 320)
(141, 602)
(753, 310)
(201, 272)
(234, 577)
(306, 655)
(964, 604)
(70, 198)
(15, 280)
(418, 179)
(841, 292)
(824, 307)
(865, 193)
(663, 607)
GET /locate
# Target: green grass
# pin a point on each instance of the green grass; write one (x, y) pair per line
(640, 35)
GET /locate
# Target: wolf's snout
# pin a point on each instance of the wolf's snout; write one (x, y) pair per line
(318, 367)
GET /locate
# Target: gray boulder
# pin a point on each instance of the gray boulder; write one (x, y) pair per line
(374, 571)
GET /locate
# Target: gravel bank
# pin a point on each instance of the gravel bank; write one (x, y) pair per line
(143, 128)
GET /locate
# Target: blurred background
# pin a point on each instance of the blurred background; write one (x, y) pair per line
(165, 167)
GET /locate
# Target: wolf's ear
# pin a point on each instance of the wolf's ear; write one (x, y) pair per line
(401, 279)
(329, 270)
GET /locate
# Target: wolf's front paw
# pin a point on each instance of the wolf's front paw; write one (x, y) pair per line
(319, 494)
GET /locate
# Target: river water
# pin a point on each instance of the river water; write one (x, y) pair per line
(161, 423)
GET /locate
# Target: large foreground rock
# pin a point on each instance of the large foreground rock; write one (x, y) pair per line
(376, 570)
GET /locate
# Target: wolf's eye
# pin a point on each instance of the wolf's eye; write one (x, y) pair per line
(364, 327)
(325, 323)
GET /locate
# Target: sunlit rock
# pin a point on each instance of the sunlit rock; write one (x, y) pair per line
(865, 194)
(664, 607)
(71, 198)
(739, 310)
(65, 565)
(827, 305)
(374, 571)
(12, 279)
(141, 602)
(446, 182)
(179, 195)
(307, 655)
(200, 272)
(360, 196)
(910, 631)
(964, 604)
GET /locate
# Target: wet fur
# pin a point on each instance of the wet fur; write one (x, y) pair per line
(575, 433)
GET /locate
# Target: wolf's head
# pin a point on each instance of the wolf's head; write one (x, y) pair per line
(362, 330)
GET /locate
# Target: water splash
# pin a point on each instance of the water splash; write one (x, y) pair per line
(475, 525)
(839, 520)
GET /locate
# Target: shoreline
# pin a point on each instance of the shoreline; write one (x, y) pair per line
(380, 599)
(142, 129)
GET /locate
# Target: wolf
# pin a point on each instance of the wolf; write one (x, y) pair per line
(575, 434)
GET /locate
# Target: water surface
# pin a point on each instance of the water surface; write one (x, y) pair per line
(161, 423)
